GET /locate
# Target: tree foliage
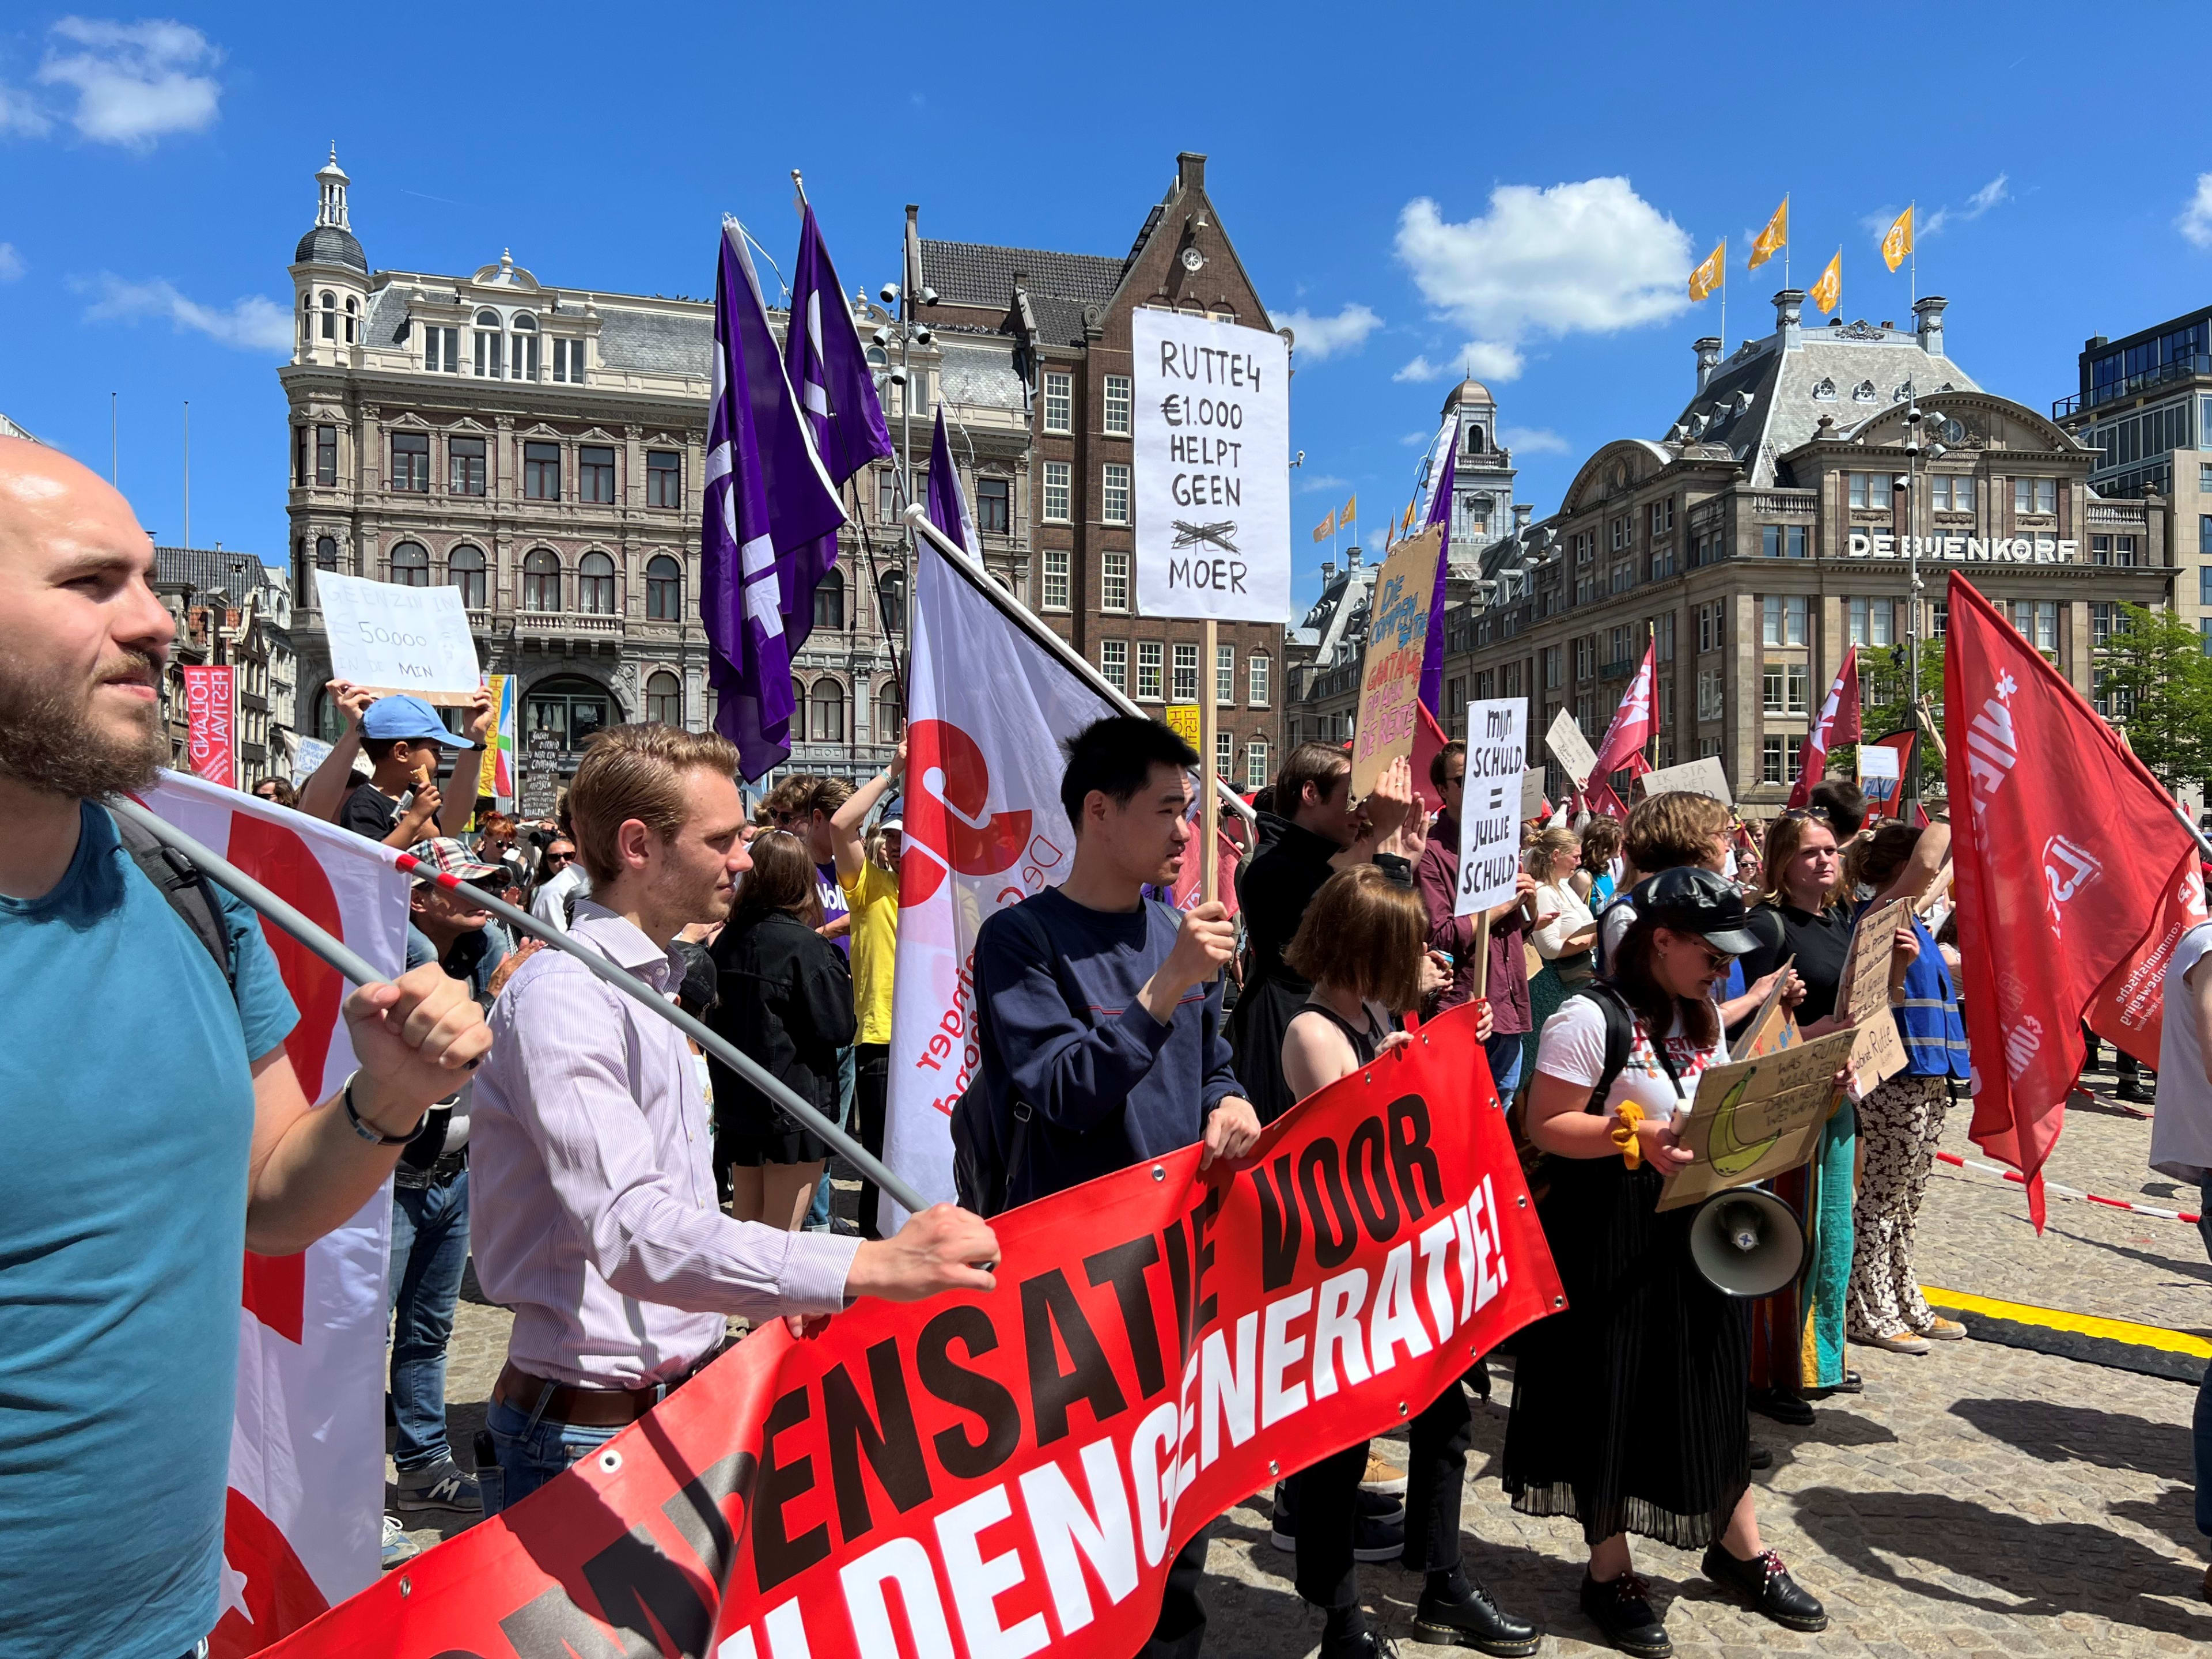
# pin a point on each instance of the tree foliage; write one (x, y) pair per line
(2157, 682)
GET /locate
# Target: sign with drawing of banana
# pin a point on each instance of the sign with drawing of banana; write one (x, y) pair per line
(1756, 1119)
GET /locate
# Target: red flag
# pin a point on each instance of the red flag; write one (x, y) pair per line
(2059, 916)
(1429, 741)
(1839, 723)
(1602, 800)
(1631, 723)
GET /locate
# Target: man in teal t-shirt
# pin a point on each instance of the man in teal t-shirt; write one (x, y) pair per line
(157, 1125)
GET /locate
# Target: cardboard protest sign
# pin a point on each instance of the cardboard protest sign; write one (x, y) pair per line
(1772, 1029)
(1755, 1119)
(1570, 747)
(387, 637)
(1862, 994)
(309, 754)
(1489, 810)
(1390, 671)
(935, 1478)
(1212, 430)
(1532, 793)
(1697, 777)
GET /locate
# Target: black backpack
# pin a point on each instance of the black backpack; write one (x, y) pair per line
(1619, 1037)
(179, 880)
(984, 1158)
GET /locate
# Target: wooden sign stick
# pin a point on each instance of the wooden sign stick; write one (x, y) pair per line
(1209, 814)
(1481, 954)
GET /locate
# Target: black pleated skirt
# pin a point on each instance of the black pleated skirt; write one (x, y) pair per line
(1629, 1409)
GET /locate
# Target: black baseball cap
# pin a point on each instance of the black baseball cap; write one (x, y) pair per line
(1690, 900)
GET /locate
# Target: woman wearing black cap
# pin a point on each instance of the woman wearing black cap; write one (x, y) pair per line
(1629, 1408)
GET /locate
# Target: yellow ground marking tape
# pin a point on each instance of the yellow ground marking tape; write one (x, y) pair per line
(2111, 1330)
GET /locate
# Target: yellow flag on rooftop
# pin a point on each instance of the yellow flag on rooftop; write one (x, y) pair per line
(1828, 292)
(1772, 240)
(1897, 241)
(1326, 528)
(1709, 274)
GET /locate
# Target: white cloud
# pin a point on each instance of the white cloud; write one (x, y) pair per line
(1531, 440)
(252, 323)
(1319, 481)
(11, 263)
(1419, 369)
(1321, 338)
(1376, 540)
(135, 83)
(20, 113)
(1416, 439)
(1591, 258)
(1997, 190)
(2195, 223)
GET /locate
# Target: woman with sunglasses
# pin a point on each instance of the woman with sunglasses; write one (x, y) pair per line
(1629, 1409)
(275, 791)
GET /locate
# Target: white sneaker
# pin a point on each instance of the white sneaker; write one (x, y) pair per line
(398, 1546)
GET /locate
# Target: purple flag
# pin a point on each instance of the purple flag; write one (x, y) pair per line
(946, 504)
(829, 366)
(1440, 505)
(768, 503)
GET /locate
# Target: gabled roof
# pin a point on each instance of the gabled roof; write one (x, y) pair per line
(982, 273)
(199, 567)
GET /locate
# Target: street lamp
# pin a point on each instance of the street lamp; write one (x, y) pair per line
(1904, 492)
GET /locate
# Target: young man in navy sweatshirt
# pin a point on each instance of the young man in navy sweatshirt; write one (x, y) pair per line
(1100, 1017)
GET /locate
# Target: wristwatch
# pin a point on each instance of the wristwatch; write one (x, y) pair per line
(374, 1136)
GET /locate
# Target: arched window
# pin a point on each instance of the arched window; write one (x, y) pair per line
(570, 706)
(352, 310)
(541, 581)
(411, 565)
(595, 584)
(830, 600)
(1474, 440)
(663, 700)
(664, 589)
(490, 348)
(891, 601)
(526, 349)
(891, 719)
(826, 721)
(465, 569)
(326, 553)
(330, 315)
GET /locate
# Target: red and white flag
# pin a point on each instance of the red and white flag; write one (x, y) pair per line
(987, 710)
(2074, 881)
(1632, 724)
(1839, 723)
(306, 1504)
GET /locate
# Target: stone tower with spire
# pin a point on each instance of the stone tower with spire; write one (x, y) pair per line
(330, 277)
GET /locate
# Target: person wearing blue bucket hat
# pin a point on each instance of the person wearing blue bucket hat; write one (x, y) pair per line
(405, 740)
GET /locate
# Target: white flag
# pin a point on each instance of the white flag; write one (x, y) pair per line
(303, 1517)
(987, 710)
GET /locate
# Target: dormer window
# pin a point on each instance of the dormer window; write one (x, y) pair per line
(490, 346)
(524, 366)
(330, 315)
(569, 361)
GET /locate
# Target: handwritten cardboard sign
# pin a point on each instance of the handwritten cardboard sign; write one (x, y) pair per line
(1390, 671)
(386, 637)
(1863, 997)
(1570, 747)
(1697, 777)
(1756, 1119)
(1489, 810)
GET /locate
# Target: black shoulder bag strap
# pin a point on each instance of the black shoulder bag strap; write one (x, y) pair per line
(179, 882)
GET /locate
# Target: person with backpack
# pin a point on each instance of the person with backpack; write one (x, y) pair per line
(1629, 1410)
(1099, 1012)
(1361, 946)
(146, 1063)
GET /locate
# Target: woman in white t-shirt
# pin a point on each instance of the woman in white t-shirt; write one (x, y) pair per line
(1563, 934)
(1629, 1409)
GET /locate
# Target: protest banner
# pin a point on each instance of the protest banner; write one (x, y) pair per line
(1390, 670)
(1212, 444)
(935, 1478)
(1534, 804)
(1185, 720)
(495, 777)
(1772, 1029)
(211, 722)
(1863, 993)
(1698, 777)
(1490, 810)
(1756, 1119)
(1570, 747)
(385, 636)
(1880, 778)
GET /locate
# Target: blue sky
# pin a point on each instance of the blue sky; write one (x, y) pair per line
(1416, 189)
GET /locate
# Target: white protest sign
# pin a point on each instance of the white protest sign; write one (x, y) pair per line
(313, 752)
(1697, 777)
(1570, 747)
(386, 637)
(1489, 810)
(1213, 412)
(1533, 800)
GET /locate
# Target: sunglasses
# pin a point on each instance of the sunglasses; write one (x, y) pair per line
(559, 858)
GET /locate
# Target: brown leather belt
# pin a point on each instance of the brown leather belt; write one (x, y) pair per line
(591, 1408)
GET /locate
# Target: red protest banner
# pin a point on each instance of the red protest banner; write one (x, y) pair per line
(208, 736)
(1000, 1474)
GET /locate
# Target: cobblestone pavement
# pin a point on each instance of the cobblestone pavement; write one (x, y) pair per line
(1981, 1500)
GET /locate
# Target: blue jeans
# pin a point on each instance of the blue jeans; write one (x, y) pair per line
(531, 1452)
(817, 1213)
(1503, 1051)
(2204, 1388)
(429, 1247)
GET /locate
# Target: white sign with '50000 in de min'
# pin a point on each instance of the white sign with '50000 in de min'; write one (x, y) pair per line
(390, 638)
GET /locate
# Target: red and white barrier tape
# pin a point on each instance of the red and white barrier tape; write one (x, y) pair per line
(2057, 1191)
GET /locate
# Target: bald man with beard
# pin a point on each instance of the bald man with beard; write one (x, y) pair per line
(158, 1128)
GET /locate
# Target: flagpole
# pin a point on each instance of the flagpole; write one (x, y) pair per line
(1209, 818)
(1912, 256)
(1065, 653)
(1785, 239)
(1723, 296)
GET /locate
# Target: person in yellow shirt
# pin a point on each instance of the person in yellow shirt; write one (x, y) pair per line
(872, 894)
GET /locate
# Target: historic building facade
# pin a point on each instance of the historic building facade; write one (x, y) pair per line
(1766, 534)
(231, 608)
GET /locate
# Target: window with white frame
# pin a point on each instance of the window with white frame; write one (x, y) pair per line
(2046, 625)
(1663, 516)
(1149, 654)
(464, 466)
(1114, 492)
(1711, 694)
(1056, 492)
(1255, 764)
(1777, 760)
(1053, 596)
(1185, 684)
(1782, 619)
(1623, 532)
(524, 364)
(1225, 753)
(441, 350)
(1951, 493)
(1663, 633)
(1258, 668)
(1059, 402)
(569, 361)
(1225, 675)
(1114, 582)
(1117, 403)
(1114, 663)
(1800, 689)
(490, 346)
(2031, 495)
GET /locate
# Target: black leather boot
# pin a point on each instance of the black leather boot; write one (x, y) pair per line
(1766, 1585)
(1460, 1611)
(1621, 1608)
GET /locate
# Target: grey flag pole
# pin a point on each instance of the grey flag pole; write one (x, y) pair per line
(348, 963)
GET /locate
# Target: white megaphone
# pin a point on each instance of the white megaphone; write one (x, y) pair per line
(1748, 1241)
